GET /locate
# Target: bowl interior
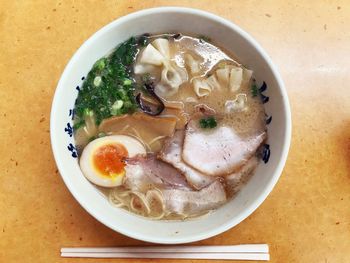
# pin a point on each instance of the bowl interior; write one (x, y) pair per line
(186, 21)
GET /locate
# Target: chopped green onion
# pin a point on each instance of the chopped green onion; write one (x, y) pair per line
(127, 82)
(117, 105)
(208, 123)
(88, 112)
(97, 81)
(100, 64)
(254, 90)
(113, 77)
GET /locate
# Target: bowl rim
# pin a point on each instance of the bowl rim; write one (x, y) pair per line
(277, 171)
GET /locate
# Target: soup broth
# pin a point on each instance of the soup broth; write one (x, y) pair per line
(188, 117)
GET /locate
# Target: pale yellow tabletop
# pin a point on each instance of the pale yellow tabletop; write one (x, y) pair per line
(307, 216)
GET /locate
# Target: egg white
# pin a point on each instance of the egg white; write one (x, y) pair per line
(132, 145)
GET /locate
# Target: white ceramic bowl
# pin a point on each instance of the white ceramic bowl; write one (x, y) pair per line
(186, 21)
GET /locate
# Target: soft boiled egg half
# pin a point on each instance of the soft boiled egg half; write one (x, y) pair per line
(103, 160)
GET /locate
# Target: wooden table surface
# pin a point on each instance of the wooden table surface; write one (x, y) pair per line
(307, 216)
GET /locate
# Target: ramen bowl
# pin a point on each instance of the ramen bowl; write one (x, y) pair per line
(191, 22)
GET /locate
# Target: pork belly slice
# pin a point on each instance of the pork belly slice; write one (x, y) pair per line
(171, 153)
(190, 202)
(235, 181)
(219, 151)
(146, 172)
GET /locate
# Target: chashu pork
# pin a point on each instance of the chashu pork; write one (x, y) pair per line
(235, 181)
(145, 172)
(190, 202)
(219, 151)
(171, 153)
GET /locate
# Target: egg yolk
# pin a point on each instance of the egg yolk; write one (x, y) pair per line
(109, 159)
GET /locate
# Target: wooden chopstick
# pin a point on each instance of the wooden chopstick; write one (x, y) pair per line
(227, 256)
(252, 248)
(236, 252)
